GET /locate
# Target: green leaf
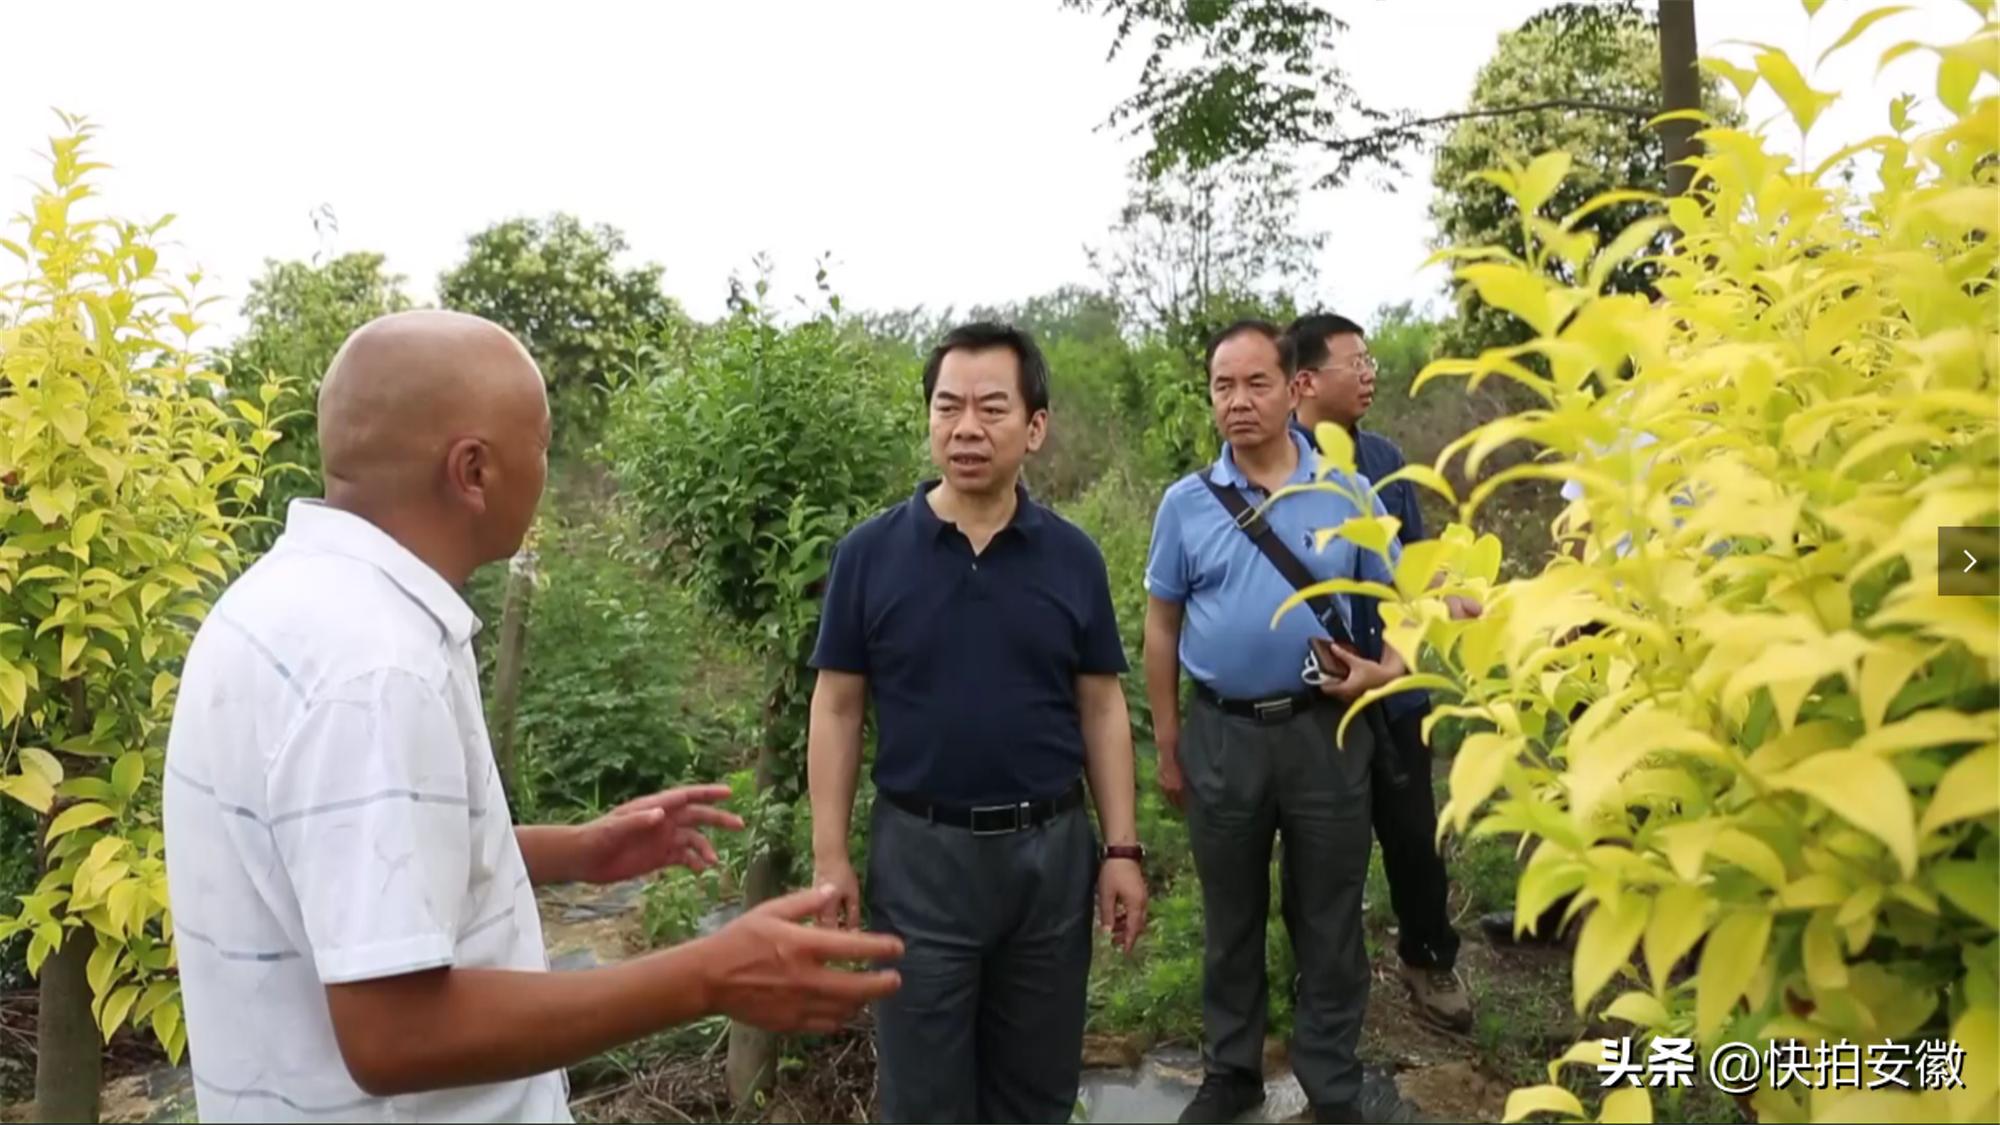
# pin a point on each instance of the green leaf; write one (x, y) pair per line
(1729, 959)
(157, 993)
(128, 772)
(1971, 885)
(78, 816)
(1866, 791)
(1541, 1099)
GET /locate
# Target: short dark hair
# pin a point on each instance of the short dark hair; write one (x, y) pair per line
(1309, 335)
(982, 334)
(1262, 328)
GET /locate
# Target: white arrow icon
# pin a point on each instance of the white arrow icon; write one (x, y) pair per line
(1970, 562)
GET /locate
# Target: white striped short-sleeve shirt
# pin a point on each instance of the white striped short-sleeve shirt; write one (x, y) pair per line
(332, 814)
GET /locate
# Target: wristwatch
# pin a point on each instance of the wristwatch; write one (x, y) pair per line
(1134, 852)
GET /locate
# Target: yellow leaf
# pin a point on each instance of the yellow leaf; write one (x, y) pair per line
(1680, 917)
(1782, 75)
(29, 789)
(78, 816)
(167, 1025)
(1475, 771)
(1627, 1104)
(1336, 447)
(1641, 1009)
(1544, 174)
(1860, 26)
(1971, 787)
(115, 1008)
(1931, 729)
(1751, 854)
(46, 505)
(1812, 892)
(1541, 1099)
(1370, 533)
(1421, 475)
(73, 643)
(1605, 945)
(1978, 1032)
(1885, 668)
(1826, 970)
(163, 688)
(127, 773)
(1687, 844)
(1589, 1052)
(1956, 77)
(1728, 960)
(1514, 290)
(102, 967)
(43, 763)
(1863, 789)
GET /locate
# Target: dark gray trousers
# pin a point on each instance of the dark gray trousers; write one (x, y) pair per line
(988, 1025)
(1246, 783)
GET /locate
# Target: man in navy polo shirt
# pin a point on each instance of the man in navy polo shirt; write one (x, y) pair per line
(1257, 756)
(980, 625)
(1336, 386)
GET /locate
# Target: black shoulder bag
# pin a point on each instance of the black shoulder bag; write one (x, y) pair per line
(1247, 520)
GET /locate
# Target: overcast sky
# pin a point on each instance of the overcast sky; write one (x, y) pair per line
(946, 152)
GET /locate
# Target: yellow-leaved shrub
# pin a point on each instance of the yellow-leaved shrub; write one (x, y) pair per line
(125, 472)
(1739, 727)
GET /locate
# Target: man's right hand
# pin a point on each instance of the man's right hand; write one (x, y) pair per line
(843, 910)
(1172, 786)
(773, 971)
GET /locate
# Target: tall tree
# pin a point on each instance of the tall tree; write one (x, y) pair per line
(298, 314)
(1229, 80)
(1611, 59)
(557, 285)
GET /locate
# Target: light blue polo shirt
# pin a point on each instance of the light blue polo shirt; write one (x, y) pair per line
(1200, 559)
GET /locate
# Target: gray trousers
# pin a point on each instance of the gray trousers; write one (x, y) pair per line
(988, 1024)
(1246, 783)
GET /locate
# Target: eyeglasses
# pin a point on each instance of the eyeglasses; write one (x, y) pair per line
(1363, 362)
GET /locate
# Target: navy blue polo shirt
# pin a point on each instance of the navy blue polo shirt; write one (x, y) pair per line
(1375, 457)
(971, 660)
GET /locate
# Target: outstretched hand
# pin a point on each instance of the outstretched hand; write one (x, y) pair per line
(646, 834)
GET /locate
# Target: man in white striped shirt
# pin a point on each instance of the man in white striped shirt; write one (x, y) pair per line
(358, 936)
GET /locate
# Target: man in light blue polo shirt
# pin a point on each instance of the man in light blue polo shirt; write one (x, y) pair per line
(1257, 755)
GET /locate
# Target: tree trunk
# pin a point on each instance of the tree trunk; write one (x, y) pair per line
(509, 663)
(69, 1056)
(753, 1052)
(1680, 88)
(753, 1063)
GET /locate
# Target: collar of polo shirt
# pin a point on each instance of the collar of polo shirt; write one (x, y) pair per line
(1227, 472)
(1027, 514)
(314, 524)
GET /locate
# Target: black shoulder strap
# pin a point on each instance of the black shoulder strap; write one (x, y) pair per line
(1259, 530)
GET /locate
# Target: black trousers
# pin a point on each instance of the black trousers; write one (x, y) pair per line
(988, 1025)
(1405, 821)
(1248, 785)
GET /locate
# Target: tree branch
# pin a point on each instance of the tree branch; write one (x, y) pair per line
(1404, 128)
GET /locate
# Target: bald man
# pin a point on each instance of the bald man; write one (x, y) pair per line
(358, 936)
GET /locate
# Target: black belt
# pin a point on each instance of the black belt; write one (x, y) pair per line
(990, 820)
(1276, 709)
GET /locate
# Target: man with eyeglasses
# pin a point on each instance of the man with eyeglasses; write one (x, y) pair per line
(1336, 385)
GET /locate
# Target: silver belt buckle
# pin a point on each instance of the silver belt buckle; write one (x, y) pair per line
(1018, 811)
(1269, 709)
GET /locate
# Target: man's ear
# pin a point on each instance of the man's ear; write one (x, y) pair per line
(1038, 429)
(468, 470)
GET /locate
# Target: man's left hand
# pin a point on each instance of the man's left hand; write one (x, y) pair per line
(1121, 901)
(644, 835)
(1462, 608)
